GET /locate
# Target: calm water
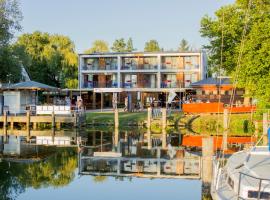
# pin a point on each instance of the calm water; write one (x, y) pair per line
(49, 172)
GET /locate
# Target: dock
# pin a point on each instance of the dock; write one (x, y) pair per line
(30, 123)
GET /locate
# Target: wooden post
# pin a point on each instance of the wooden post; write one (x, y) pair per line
(11, 125)
(158, 162)
(5, 126)
(94, 101)
(149, 141)
(116, 118)
(164, 138)
(101, 141)
(58, 125)
(164, 118)
(149, 115)
(116, 138)
(265, 127)
(207, 166)
(180, 164)
(28, 125)
(225, 127)
(53, 126)
(35, 125)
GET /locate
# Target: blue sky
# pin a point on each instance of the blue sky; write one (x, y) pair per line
(167, 21)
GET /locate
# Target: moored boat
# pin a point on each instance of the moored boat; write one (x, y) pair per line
(246, 175)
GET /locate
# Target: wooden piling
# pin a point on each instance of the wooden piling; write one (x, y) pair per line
(149, 115)
(158, 162)
(225, 127)
(58, 125)
(28, 125)
(35, 125)
(149, 140)
(5, 127)
(11, 125)
(207, 165)
(116, 138)
(116, 118)
(53, 126)
(164, 138)
(164, 118)
(265, 127)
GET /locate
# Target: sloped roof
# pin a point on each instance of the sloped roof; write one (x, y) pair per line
(213, 81)
(31, 85)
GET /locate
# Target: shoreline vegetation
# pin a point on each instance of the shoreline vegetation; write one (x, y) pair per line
(206, 124)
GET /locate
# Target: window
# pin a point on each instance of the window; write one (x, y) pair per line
(254, 194)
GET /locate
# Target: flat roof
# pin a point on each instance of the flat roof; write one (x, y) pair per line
(141, 52)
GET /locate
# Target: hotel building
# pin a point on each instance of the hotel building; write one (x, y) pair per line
(138, 75)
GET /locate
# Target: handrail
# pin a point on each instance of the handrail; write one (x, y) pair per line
(263, 179)
(254, 177)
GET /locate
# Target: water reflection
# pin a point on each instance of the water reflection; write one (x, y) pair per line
(49, 167)
(51, 161)
(129, 154)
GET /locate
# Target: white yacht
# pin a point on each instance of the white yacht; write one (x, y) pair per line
(246, 175)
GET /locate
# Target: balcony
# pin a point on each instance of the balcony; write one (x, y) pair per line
(139, 63)
(137, 85)
(96, 84)
(171, 84)
(96, 67)
(139, 67)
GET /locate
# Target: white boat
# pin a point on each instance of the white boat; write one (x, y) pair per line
(246, 175)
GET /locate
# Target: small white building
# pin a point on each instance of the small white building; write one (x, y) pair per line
(19, 96)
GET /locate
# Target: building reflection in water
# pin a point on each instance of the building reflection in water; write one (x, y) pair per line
(141, 155)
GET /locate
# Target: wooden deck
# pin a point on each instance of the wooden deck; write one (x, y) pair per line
(30, 123)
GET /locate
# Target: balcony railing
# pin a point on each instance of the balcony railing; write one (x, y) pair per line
(139, 67)
(176, 66)
(96, 84)
(136, 85)
(94, 68)
(169, 84)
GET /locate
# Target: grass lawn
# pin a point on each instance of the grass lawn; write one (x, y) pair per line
(240, 124)
(125, 118)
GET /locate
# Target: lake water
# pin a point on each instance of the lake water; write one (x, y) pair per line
(109, 165)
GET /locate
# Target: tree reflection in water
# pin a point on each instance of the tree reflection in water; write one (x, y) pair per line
(56, 171)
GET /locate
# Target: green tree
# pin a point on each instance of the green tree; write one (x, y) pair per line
(119, 45)
(98, 46)
(10, 70)
(130, 47)
(10, 17)
(250, 18)
(51, 58)
(183, 46)
(151, 46)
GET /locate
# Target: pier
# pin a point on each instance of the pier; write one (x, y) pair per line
(30, 123)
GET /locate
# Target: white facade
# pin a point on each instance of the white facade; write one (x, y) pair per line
(16, 101)
(141, 71)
